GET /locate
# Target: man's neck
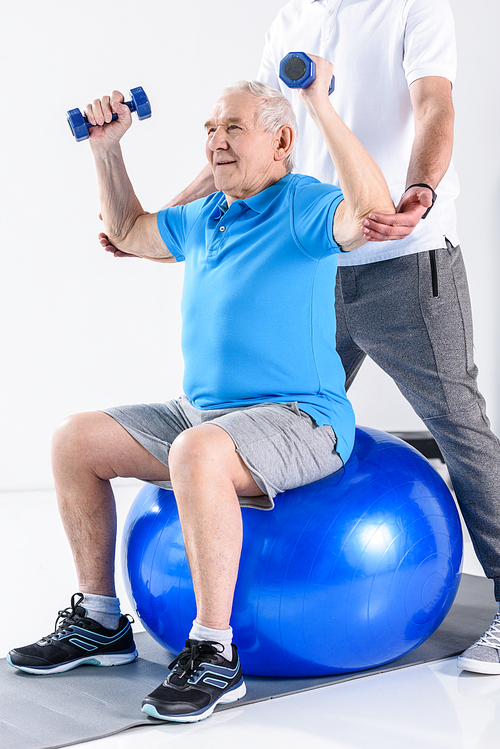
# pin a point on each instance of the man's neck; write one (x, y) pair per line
(232, 198)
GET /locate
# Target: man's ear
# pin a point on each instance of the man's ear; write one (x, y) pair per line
(284, 141)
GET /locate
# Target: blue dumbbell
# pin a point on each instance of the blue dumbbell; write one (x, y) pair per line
(80, 125)
(297, 70)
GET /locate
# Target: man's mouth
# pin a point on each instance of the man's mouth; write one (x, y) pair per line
(224, 163)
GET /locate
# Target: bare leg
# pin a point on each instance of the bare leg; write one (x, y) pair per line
(207, 475)
(87, 451)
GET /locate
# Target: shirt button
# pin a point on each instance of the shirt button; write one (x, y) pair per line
(222, 228)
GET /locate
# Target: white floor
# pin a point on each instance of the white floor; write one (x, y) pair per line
(431, 706)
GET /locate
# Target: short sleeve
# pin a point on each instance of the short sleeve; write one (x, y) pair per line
(429, 40)
(313, 211)
(175, 224)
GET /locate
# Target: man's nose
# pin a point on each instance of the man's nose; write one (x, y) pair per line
(218, 140)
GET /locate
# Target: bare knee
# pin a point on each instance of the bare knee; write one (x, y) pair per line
(97, 444)
(208, 453)
(76, 440)
(193, 449)
(69, 434)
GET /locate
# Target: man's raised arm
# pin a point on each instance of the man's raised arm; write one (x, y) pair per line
(129, 228)
(363, 184)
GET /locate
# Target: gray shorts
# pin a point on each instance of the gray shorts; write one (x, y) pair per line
(282, 447)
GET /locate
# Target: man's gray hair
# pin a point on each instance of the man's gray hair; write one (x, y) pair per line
(274, 110)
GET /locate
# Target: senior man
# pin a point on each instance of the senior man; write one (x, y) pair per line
(264, 408)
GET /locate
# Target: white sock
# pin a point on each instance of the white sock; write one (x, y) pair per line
(102, 609)
(222, 636)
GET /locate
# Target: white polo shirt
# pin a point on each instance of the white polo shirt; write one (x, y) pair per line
(378, 48)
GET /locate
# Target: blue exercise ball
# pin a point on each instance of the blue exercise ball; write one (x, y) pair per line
(345, 574)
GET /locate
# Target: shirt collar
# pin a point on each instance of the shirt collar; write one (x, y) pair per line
(258, 203)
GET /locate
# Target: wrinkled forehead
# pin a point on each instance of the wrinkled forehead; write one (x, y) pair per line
(234, 107)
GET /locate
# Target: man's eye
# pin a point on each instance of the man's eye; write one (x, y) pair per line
(233, 127)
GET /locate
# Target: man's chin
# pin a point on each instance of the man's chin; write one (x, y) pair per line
(222, 185)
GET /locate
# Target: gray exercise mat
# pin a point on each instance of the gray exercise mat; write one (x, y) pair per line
(48, 712)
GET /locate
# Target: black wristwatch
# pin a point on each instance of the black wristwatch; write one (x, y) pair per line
(434, 196)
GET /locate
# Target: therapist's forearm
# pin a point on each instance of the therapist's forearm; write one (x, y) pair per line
(200, 187)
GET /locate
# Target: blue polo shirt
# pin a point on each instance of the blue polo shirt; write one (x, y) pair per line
(258, 316)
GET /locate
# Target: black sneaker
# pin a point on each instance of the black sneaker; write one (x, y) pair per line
(76, 641)
(200, 678)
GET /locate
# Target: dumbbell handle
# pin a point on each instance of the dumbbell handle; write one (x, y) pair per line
(129, 104)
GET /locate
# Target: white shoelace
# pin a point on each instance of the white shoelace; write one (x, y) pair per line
(491, 638)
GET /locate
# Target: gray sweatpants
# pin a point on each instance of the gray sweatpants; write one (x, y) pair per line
(412, 316)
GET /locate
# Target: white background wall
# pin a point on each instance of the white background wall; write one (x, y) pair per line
(81, 330)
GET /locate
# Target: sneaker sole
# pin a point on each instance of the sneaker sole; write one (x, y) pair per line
(235, 694)
(478, 667)
(108, 659)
